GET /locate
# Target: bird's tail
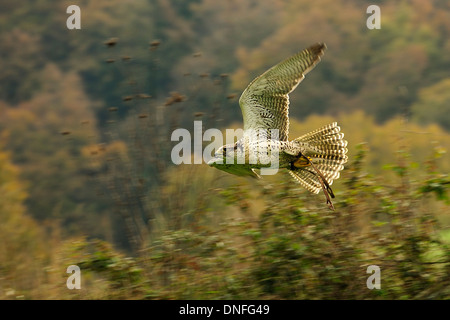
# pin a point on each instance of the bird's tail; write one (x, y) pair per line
(324, 157)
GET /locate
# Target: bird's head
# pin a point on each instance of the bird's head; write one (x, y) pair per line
(230, 158)
(225, 155)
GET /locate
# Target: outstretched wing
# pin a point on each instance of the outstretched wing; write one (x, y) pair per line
(265, 102)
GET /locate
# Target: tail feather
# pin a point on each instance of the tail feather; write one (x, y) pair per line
(327, 150)
(304, 178)
(328, 130)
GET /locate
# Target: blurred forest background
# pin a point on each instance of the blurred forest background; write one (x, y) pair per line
(86, 177)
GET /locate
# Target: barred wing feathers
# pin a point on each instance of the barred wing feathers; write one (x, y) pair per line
(265, 102)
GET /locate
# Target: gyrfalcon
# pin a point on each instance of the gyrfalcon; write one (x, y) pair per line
(314, 160)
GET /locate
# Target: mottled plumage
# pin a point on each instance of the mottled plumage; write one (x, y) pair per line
(314, 160)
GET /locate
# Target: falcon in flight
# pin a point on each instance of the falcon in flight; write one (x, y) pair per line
(314, 160)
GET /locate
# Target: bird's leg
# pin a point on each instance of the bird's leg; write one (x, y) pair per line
(304, 161)
(325, 186)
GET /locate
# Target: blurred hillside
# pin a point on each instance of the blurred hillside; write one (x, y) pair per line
(85, 123)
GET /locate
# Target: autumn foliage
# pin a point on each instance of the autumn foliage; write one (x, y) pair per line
(86, 177)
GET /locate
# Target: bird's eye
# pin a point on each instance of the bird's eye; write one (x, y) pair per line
(234, 147)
